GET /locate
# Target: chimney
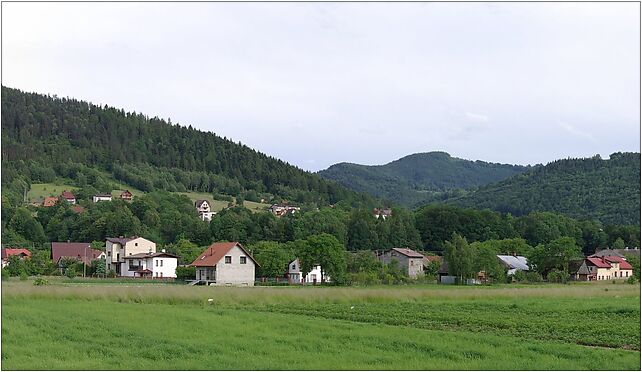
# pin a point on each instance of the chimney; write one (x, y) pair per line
(68, 241)
(163, 250)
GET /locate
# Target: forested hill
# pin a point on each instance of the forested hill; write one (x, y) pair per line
(605, 190)
(414, 179)
(41, 133)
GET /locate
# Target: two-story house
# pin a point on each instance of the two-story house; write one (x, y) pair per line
(204, 210)
(151, 265)
(227, 263)
(117, 249)
(296, 276)
(411, 262)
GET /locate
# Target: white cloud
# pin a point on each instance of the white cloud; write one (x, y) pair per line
(477, 117)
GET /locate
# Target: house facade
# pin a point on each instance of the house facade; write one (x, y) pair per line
(204, 210)
(159, 265)
(608, 268)
(410, 261)
(280, 210)
(126, 195)
(383, 213)
(296, 276)
(227, 263)
(118, 249)
(8, 252)
(69, 197)
(101, 197)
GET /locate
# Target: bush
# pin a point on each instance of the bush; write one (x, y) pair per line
(534, 277)
(185, 272)
(363, 278)
(631, 280)
(519, 276)
(111, 273)
(557, 276)
(41, 281)
(70, 272)
(24, 276)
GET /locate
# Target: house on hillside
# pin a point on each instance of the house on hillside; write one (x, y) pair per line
(204, 210)
(117, 249)
(102, 197)
(126, 195)
(69, 197)
(296, 276)
(227, 263)
(513, 263)
(50, 201)
(411, 262)
(159, 265)
(81, 252)
(8, 252)
(280, 210)
(383, 213)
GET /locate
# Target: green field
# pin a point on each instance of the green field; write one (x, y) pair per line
(39, 191)
(142, 326)
(219, 205)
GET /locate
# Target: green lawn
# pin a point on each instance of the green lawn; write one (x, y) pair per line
(66, 326)
(40, 190)
(219, 205)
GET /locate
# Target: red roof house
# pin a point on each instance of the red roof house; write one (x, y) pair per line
(50, 201)
(126, 195)
(67, 195)
(79, 251)
(227, 263)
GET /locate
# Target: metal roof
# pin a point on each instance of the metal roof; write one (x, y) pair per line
(514, 262)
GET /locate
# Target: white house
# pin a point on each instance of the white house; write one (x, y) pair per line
(296, 276)
(204, 210)
(225, 263)
(117, 249)
(151, 265)
(101, 197)
(280, 210)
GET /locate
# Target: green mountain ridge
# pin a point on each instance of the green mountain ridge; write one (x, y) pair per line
(419, 178)
(607, 190)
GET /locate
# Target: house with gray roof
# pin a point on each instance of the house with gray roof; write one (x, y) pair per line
(411, 262)
(513, 263)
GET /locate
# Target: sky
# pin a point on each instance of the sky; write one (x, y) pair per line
(316, 84)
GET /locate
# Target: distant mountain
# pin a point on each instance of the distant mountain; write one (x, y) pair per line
(419, 178)
(604, 190)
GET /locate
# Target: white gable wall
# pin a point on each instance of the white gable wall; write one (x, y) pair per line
(235, 273)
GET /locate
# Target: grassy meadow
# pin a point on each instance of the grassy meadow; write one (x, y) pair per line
(154, 326)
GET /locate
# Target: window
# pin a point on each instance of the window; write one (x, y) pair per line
(627, 274)
(136, 244)
(108, 253)
(156, 263)
(412, 263)
(161, 274)
(294, 267)
(161, 263)
(243, 259)
(228, 259)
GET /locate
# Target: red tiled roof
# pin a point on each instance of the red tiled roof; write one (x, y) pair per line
(68, 195)
(74, 250)
(213, 254)
(50, 201)
(7, 252)
(598, 262)
(408, 252)
(624, 265)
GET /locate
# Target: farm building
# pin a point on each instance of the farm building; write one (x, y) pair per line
(411, 262)
(117, 249)
(513, 263)
(151, 265)
(296, 276)
(8, 252)
(101, 197)
(227, 263)
(69, 197)
(280, 210)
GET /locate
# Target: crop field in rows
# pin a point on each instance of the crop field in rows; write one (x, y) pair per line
(151, 326)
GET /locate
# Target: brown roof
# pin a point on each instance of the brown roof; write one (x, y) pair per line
(74, 250)
(50, 201)
(198, 203)
(68, 195)
(77, 208)
(126, 193)
(408, 252)
(213, 254)
(120, 240)
(7, 252)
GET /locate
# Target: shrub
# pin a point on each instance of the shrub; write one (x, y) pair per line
(70, 272)
(557, 276)
(533, 277)
(631, 280)
(519, 276)
(185, 272)
(41, 281)
(24, 276)
(111, 273)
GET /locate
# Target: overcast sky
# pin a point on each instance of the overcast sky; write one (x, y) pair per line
(320, 83)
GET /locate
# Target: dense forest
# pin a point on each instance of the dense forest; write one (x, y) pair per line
(591, 188)
(44, 137)
(419, 178)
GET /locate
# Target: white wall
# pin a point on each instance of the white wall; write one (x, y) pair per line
(235, 273)
(164, 267)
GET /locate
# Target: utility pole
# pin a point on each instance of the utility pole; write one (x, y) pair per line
(84, 268)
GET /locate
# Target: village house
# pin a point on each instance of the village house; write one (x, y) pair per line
(204, 210)
(383, 213)
(296, 276)
(8, 252)
(411, 262)
(50, 201)
(81, 252)
(227, 263)
(280, 210)
(159, 265)
(513, 263)
(126, 195)
(69, 197)
(603, 268)
(117, 249)
(102, 197)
